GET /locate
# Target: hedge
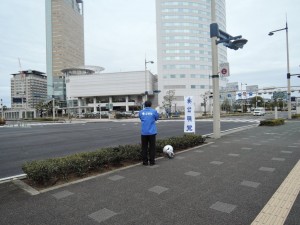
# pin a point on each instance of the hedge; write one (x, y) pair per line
(272, 122)
(48, 171)
(295, 116)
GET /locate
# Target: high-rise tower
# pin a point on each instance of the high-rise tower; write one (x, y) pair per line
(64, 39)
(184, 48)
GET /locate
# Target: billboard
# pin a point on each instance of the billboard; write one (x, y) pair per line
(280, 95)
(234, 86)
(252, 88)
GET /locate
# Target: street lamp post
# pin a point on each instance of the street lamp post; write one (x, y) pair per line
(289, 76)
(218, 36)
(242, 95)
(146, 91)
(215, 78)
(2, 111)
(100, 109)
(53, 108)
(288, 68)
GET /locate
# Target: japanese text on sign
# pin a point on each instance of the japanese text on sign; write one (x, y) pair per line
(189, 116)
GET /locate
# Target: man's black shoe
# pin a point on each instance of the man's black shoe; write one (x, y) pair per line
(152, 164)
(145, 163)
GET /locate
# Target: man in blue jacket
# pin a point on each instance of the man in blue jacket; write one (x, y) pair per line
(148, 116)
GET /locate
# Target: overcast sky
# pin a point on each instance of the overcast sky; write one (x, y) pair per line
(119, 34)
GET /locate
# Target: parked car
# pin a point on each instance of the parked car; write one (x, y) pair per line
(127, 113)
(259, 112)
(135, 114)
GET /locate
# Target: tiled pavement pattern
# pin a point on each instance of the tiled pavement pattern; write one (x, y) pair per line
(225, 182)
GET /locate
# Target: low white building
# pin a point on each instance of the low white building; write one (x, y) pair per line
(88, 87)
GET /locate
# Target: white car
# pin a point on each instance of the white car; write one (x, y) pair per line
(259, 112)
(136, 114)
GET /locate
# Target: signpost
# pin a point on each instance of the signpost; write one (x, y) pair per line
(224, 70)
(109, 106)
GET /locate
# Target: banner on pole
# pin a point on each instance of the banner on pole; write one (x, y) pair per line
(189, 116)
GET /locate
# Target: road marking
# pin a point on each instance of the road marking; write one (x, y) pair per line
(16, 177)
(25, 187)
(278, 207)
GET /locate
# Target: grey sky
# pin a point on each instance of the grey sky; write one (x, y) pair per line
(119, 34)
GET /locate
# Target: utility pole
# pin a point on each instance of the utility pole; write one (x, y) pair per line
(100, 109)
(2, 111)
(215, 78)
(146, 91)
(53, 107)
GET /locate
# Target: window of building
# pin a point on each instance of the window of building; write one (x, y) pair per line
(174, 87)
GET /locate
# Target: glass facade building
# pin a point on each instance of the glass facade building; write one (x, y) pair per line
(64, 39)
(184, 48)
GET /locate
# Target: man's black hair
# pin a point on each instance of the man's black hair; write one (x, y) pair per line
(148, 103)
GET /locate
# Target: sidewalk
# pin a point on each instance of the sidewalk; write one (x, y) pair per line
(227, 181)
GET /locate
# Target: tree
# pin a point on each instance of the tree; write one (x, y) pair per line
(259, 100)
(168, 99)
(226, 105)
(44, 107)
(205, 98)
(39, 108)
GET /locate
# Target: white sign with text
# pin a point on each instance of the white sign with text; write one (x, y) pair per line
(189, 115)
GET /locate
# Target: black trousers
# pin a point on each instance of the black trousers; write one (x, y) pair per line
(148, 148)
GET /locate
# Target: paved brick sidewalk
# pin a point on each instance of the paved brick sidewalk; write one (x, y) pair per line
(227, 181)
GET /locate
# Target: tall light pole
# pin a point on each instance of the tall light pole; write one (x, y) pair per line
(218, 36)
(288, 68)
(146, 91)
(53, 107)
(215, 78)
(100, 109)
(243, 95)
(2, 111)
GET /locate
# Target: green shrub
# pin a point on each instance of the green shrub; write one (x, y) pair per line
(118, 116)
(44, 171)
(272, 122)
(41, 171)
(295, 116)
(45, 119)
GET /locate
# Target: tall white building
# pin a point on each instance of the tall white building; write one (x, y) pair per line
(184, 48)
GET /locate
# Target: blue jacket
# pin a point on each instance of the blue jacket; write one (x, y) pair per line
(148, 116)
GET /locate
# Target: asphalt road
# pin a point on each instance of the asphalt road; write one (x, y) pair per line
(245, 176)
(19, 145)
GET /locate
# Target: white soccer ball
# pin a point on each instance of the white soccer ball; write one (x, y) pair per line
(168, 150)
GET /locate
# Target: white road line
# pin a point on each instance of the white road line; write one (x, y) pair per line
(278, 207)
(8, 179)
